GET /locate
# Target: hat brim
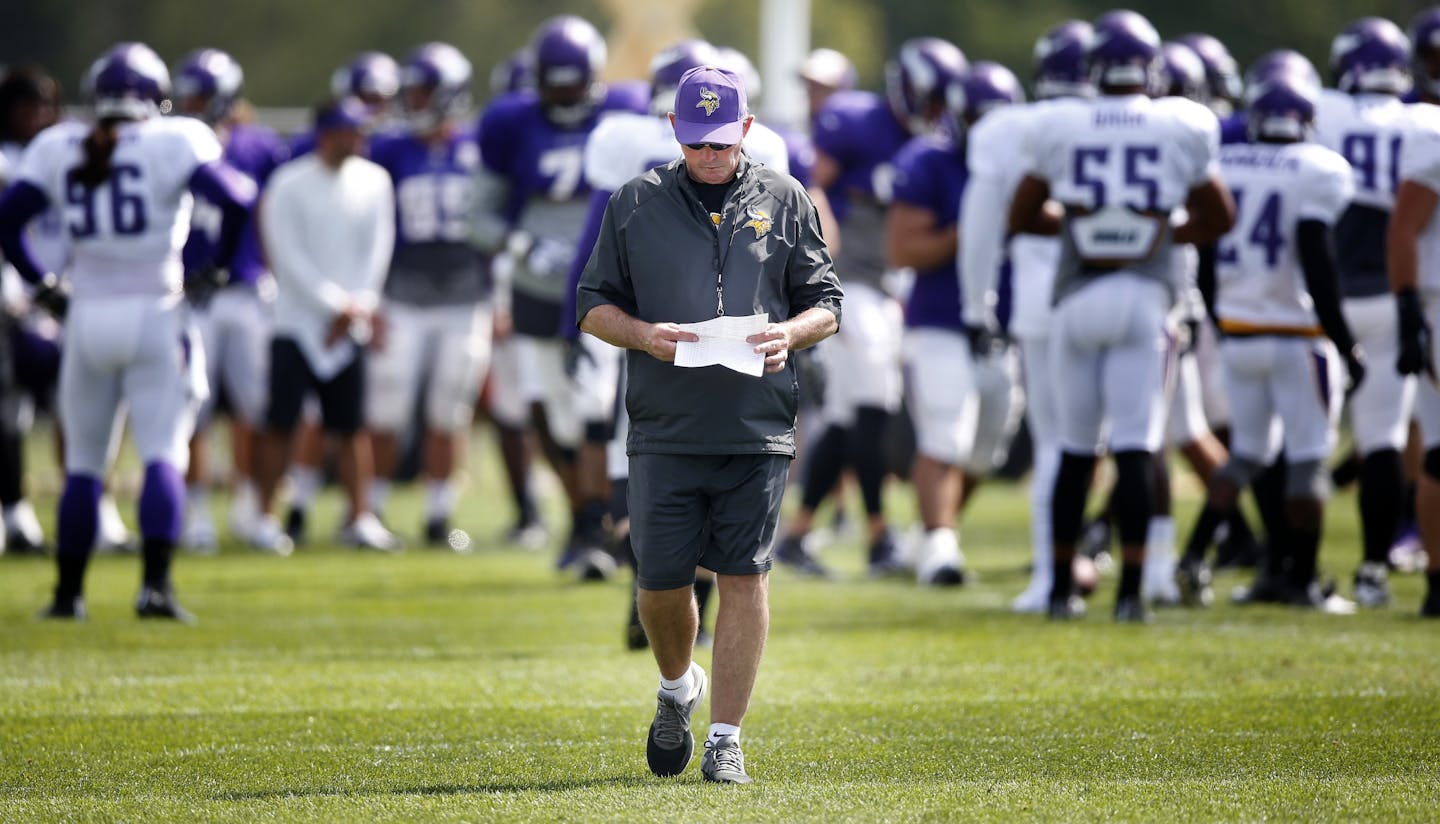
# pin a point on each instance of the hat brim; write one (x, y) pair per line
(728, 133)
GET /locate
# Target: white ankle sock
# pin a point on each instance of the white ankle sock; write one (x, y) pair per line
(718, 731)
(440, 498)
(305, 482)
(682, 687)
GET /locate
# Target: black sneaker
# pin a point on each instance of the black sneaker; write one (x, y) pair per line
(1130, 609)
(161, 603)
(1234, 553)
(19, 543)
(1193, 579)
(1372, 585)
(791, 553)
(295, 526)
(1322, 599)
(1267, 588)
(64, 609)
(669, 746)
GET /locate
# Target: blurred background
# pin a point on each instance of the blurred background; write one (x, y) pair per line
(289, 47)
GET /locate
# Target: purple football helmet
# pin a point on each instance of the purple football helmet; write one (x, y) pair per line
(1124, 51)
(916, 79)
(1222, 73)
(1060, 69)
(569, 55)
(984, 87)
(670, 65)
(207, 84)
(1286, 62)
(434, 85)
(1281, 107)
(1371, 55)
(1182, 72)
(374, 77)
(128, 81)
(1425, 40)
(513, 73)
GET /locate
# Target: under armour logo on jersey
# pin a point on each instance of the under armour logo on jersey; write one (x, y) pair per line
(709, 101)
(759, 221)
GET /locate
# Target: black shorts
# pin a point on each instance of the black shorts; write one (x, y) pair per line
(715, 511)
(342, 398)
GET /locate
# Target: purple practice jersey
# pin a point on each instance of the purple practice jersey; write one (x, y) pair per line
(256, 151)
(930, 174)
(542, 165)
(435, 261)
(800, 150)
(859, 132)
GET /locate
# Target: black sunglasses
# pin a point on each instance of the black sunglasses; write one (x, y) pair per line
(714, 147)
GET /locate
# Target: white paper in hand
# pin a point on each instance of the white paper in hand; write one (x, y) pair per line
(722, 343)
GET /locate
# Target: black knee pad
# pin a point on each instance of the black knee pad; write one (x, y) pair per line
(1134, 495)
(1432, 463)
(1072, 486)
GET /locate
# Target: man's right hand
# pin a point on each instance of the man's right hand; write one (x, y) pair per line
(346, 322)
(660, 340)
(1414, 356)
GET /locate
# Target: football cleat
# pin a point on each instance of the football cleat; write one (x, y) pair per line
(791, 552)
(295, 525)
(1313, 596)
(366, 532)
(1066, 608)
(160, 603)
(1193, 579)
(1372, 585)
(1430, 607)
(437, 532)
(266, 536)
(64, 609)
(1130, 609)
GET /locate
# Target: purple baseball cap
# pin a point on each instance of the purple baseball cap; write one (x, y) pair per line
(710, 106)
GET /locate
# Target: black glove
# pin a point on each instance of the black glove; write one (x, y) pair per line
(1187, 337)
(1414, 356)
(982, 340)
(576, 355)
(53, 296)
(1354, 368)
(202, 284)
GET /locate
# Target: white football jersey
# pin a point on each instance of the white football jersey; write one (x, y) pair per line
(1367, 130)
(48, 240)
(995, 169)
(1108, 158)
(625, 145)
(125, 234)
(1260, 284)
(1420, 163)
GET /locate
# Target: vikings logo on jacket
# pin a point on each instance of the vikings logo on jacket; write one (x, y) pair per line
(760, 221)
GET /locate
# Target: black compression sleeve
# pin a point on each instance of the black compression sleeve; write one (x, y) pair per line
(1205, 279)
(1317, 259)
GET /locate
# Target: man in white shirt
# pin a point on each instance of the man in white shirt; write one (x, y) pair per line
(327, 222)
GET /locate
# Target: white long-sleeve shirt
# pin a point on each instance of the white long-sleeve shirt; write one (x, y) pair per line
(328, 234)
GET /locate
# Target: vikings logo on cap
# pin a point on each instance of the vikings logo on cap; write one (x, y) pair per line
(759, 220)
(709, 101)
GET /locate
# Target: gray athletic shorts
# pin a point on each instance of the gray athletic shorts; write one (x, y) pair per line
(715, 511)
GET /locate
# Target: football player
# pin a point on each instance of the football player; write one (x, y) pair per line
(856, 137)
(1413, 261)
(995, 168)
(1118, 166)
(1277, 300)
(234, 317)
(436, 293)
(962, 387)
(532, 202)
(125, 183)
(1364, 119)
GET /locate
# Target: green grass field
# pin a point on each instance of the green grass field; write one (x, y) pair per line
(335, 686)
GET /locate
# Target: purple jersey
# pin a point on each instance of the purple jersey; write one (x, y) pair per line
(860, 133)
(435, 262)
(256, 151)
(800, 151)
(930, 174)
(542, 166)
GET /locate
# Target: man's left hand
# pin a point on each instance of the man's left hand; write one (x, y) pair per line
(774, 344)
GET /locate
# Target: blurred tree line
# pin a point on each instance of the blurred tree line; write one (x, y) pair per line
(289, 47)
